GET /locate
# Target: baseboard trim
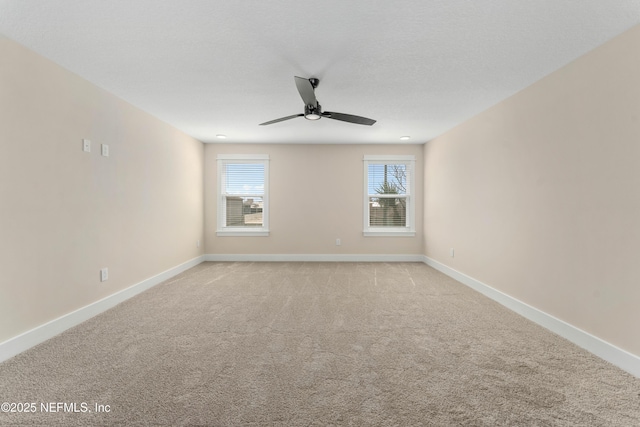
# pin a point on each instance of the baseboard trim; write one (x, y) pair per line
(35, 336)
(313, 257)
(607, 351)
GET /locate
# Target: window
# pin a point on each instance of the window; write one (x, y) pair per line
(243, 195)
(389, 208)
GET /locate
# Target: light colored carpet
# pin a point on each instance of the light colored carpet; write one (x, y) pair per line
(316, 344)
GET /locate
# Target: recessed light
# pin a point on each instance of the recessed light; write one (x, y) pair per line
(405, 138)
(220, 136)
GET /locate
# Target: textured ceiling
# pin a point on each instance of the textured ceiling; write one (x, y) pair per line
(418, 67)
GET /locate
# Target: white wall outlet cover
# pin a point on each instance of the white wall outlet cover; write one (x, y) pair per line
(86, 145)
(104, 274)
(105, 150)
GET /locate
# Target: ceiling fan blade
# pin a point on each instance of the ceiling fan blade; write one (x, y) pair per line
(306, 91)
(348, 118)
(281, 119)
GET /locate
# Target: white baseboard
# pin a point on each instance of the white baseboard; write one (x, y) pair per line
(607, 351)
(26, 340)
(313, 258)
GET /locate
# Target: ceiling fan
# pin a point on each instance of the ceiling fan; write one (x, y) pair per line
(313, 110)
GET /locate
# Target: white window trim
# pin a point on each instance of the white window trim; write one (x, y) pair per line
(409, 230)
(222, 229)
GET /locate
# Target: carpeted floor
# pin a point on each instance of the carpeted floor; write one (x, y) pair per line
(315, 344)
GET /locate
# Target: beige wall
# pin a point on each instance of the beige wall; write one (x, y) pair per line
(540, 195)
(316, 196)
(64, 213)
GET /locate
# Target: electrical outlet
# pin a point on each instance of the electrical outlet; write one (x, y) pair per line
(86, 145)
(104, 274)
(198, 243)
(452, 252)
(105, 150)
(338, 242)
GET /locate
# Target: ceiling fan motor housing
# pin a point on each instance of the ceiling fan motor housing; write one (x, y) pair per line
(312, 112)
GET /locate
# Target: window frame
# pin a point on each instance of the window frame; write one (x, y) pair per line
(409, 161)
(253, 231)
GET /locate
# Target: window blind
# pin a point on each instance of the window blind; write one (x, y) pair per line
(388, 191)
(244, 179)
(243, 191)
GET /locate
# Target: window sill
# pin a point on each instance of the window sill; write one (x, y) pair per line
(242, 233)
(390, 233)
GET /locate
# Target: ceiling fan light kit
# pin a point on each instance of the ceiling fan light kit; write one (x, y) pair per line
(312, 108)
(312, 113)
